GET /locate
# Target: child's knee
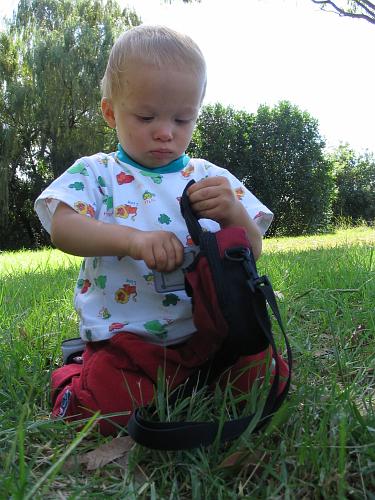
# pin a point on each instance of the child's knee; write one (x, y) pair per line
(253, 369)
(104, 383)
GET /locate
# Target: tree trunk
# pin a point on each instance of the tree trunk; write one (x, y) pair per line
(4, 197)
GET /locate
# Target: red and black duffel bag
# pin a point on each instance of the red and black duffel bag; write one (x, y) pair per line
(229, 302)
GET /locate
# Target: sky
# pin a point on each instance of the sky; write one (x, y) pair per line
(264, 51)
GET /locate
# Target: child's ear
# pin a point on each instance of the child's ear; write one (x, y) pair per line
(108, 113)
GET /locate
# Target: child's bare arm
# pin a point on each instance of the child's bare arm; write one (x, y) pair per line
(213, 198)
(80, 235)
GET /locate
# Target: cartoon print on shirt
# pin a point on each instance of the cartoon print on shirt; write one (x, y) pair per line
(156, 328)
(100, 281)
(189, 241)
(104, 313)
(83, 285)
(170, 299)
(101, 181)
(116, 326)
(124, 211)
(78, 186)
(187, 171)
(124, 178)
(155, 177)
(84, 208)
(148, 197)
(164, 219)
(88, 334)
(149, 278)
(101, 184)
(79, 168)
(239, 192)
(259, 214)
(126, 292)
(108, 201)
(104, 161)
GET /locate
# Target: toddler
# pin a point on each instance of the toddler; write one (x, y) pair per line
(121, 212)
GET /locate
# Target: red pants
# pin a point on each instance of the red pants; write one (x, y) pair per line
(119, 374)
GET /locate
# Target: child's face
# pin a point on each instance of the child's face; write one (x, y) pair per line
(155, 114)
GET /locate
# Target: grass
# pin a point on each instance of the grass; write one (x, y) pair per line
(321, 444)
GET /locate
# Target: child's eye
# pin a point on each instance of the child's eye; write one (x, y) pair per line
(182, 121)
(145, 118)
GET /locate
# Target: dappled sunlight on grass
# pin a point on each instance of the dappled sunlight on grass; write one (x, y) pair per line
(341, 237)
(48, 259)
(37, 261)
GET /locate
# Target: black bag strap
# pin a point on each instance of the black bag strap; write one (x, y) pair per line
(187, 435)
(194, 228)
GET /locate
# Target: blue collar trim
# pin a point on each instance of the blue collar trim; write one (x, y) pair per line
(173, 166)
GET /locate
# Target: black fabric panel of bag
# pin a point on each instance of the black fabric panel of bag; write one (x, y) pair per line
(243, 297)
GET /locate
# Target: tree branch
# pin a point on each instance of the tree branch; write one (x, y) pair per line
(367, 6)
(370, 5)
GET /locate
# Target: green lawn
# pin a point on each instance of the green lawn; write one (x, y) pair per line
(321, 443)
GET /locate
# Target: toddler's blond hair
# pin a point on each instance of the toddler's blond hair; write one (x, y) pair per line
(158, 45)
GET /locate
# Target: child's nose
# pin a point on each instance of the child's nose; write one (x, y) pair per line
(163, 132)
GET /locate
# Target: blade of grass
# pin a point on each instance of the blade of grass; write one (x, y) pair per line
(53, 470)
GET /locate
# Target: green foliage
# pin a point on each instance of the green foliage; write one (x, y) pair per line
(288, 169)
(355, 184)
(222, 137)
(278, 152)
(52, 59)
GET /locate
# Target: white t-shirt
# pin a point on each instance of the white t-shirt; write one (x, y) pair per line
(115, 293)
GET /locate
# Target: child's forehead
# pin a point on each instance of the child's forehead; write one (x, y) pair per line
(144, 65)
(150, 80)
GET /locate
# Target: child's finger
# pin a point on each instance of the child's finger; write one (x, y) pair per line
(213, 187)
(208, 182)
(168, 253)
(179, 251)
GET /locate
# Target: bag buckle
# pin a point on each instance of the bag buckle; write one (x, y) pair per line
(244, 255)
(261, 280)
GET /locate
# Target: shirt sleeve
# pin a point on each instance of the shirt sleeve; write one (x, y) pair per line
(80, 187)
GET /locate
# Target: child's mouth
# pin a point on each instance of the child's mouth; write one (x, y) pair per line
(161, 154)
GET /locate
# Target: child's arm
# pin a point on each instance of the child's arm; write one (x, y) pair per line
(213, 198)
(80, 235)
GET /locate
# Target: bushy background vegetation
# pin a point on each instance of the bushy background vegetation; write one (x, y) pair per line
(52, 57)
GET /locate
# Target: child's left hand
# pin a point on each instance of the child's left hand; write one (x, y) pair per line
(213, 198)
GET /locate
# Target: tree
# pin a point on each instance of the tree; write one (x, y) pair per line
(222, 136)
(354, 176)
(358, 9)
(4, 201)
(287, 169)
(52, 58)
(278, 153)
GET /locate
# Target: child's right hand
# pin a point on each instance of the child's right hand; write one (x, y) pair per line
(161, 250)
(80, 235)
